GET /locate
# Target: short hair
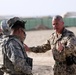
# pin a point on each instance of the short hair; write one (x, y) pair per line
(58, 17)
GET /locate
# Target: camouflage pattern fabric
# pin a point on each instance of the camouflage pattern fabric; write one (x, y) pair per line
(68, 40)
(42, 48)
(14, 57)
(1, 56)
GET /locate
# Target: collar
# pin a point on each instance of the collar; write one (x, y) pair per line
(60, 34)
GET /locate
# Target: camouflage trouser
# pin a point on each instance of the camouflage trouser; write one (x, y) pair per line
(63, 69)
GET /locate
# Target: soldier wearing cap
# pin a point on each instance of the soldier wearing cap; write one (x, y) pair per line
(15, 58)
(63, 45)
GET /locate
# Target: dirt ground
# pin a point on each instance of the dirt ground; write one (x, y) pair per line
(42, 62)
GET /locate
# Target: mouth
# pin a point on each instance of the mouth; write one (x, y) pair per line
(55, 28)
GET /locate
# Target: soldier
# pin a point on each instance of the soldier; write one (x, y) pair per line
(4, 30)
(16, 61)
(1, 60)
(63, 45)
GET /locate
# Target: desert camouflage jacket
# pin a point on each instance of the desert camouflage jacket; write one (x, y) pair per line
(67, 38)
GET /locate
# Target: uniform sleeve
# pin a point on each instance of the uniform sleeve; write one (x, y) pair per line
(16, 56)
(70, 47)
(41, 49)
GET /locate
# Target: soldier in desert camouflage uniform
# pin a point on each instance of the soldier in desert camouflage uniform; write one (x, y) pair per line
(15, 57)
(63, 45)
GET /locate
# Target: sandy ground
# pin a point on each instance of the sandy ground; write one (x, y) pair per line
(42, 62)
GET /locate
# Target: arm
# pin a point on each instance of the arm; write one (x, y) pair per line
(70, 47)
(26, 47)
(43, 48)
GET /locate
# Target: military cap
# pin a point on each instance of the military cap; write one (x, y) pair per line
(16, 21)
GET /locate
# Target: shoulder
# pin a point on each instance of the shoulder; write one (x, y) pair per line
(53, 35)
(10, 41)
(68, 33)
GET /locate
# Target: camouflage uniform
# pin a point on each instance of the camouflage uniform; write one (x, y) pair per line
(15, 57)
(4, 30)
(65, 60)
(1, 60)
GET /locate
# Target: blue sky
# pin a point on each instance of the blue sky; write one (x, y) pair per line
(33, 8)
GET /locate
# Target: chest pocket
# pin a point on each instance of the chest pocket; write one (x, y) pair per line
(54, 42)
(64, 41)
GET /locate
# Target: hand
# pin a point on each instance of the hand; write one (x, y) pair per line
(26, 47)
(60, 46)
